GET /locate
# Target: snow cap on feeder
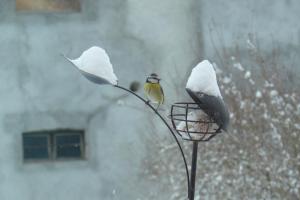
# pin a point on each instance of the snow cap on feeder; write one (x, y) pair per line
(203, 88)
(94, 64)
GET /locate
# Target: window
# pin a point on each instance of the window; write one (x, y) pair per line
(53, 145)
(68, 145)
(36, 146)
(48, 5)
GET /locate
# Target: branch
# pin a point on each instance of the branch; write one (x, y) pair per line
(165, 122)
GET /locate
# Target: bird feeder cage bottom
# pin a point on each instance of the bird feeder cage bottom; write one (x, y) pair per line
(193, 123)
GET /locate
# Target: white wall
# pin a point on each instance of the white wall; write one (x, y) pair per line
(40, 90)
(270, 22)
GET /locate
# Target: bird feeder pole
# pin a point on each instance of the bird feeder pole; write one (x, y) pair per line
(193, 171)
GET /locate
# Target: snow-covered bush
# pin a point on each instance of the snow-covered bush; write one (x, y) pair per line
(259, 156)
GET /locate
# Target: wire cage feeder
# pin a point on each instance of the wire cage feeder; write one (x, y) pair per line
(192, 122)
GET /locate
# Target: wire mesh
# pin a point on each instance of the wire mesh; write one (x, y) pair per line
(192, 122)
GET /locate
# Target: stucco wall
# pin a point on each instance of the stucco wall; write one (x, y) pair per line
(268, 28)
(40, 90)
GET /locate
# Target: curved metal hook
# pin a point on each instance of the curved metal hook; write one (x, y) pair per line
(170, 129)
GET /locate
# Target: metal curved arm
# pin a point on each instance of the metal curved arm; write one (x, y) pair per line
(165, 122)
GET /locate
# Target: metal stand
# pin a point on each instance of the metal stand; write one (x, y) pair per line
(195, 130)
(193, 171)
(205, 133)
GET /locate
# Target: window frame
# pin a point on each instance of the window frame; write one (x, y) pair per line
(37, 134)
(81, 143)
(47, 8)
(51, 145)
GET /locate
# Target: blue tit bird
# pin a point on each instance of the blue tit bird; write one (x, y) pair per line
(153, 90)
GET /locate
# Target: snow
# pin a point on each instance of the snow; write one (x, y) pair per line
(242, 104)
(226, 80)
(203, 79)
(94, 64)
(250, 45)
(258, 94)
(273, 93)
(252, 81)
(238, 66)
(268, 85)
(219, 178)
(247, 75)
(194, 117)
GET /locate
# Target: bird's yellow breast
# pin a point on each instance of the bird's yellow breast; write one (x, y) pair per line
(154, 92)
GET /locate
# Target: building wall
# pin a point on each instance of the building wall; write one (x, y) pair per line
(40, 90)
(267, 28)
(235, 20)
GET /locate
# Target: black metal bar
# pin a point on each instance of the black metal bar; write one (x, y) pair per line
(170, 129)
(193, 171)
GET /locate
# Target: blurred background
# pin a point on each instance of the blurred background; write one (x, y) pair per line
(63, 137)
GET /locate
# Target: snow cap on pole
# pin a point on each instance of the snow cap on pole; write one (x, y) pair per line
(95, 65)
(203, 79)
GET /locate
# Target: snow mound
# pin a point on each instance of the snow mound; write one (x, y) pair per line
(203, 79)
(94, 64)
